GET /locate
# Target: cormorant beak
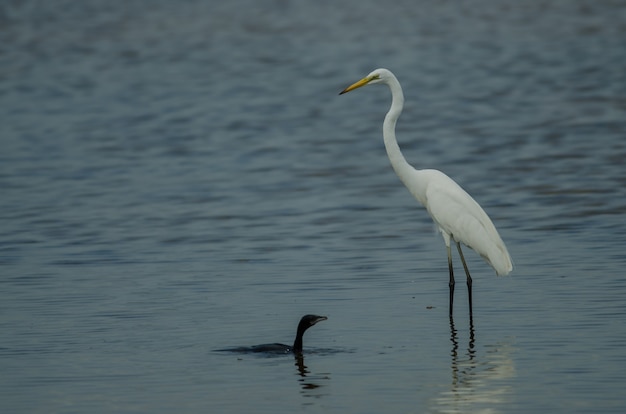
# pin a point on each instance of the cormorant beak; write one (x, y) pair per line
(319, 319)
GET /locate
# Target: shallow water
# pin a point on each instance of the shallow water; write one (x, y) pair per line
(180, 177)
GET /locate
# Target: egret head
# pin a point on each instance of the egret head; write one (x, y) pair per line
(376, 76)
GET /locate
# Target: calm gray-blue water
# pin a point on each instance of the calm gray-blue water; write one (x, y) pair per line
(178, 177)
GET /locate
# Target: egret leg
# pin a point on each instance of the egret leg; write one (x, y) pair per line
(469, 278)
(451, 283)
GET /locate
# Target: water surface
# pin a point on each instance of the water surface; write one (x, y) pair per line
(180, 177)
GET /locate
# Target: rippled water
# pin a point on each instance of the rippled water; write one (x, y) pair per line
(180, 177)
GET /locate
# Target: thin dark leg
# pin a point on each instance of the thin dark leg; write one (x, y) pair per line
(451, 283)
(469, 278)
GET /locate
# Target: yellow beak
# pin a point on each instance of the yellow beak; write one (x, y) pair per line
(355, 85)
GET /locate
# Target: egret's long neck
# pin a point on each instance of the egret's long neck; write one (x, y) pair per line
(400, 166)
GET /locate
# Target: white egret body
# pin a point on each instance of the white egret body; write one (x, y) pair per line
(457, 215)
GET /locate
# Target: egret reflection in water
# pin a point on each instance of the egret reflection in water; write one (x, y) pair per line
(478, 381)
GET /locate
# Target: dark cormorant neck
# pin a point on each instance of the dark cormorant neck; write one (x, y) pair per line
(297, 344)
(305, 323)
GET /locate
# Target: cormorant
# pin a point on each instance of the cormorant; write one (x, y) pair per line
(305, 323)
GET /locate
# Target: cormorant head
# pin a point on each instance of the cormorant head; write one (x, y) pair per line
(309, 320)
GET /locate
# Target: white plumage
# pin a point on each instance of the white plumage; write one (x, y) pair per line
(457, 215)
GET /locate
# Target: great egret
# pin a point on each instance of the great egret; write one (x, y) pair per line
(457, 215)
